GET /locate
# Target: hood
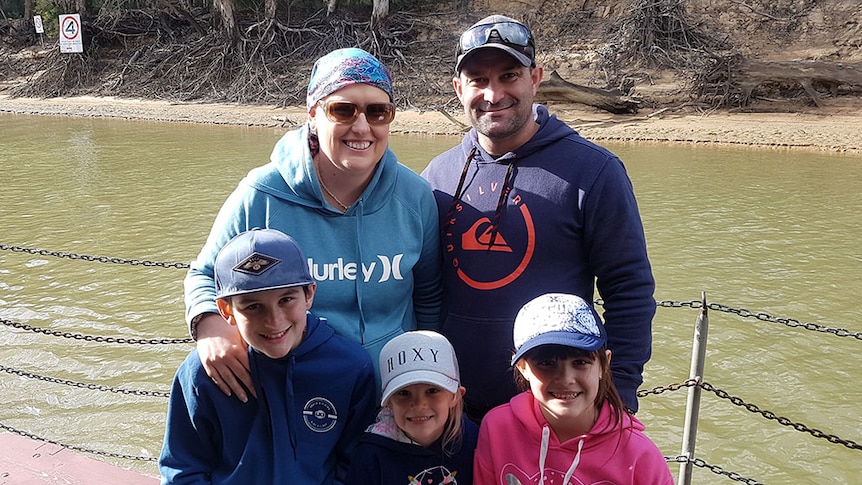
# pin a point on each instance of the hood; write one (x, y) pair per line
(279, 374)
(529, 415)
(385, 433)
(294, 178)
(538, 432)
(551, 129)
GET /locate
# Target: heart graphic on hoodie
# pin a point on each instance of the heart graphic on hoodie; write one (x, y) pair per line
(515, 476)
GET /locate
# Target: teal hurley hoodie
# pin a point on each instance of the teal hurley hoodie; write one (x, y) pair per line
(377, 266)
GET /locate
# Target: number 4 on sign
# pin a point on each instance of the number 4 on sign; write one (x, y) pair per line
(70, 34)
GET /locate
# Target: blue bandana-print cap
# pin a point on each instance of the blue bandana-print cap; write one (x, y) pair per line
(343, 67)
(559, 319)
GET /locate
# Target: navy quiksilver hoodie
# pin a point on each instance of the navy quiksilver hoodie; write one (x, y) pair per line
(556, 215)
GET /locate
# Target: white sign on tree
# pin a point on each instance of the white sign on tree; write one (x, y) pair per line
(70, 34)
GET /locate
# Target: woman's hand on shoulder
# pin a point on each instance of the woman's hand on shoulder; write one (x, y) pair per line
(224, 356)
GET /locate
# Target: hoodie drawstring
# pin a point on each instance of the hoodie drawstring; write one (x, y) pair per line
(543, 454)
(360, 212)
(456, 197)
(574, 463)
(501, 201)
(291, 420)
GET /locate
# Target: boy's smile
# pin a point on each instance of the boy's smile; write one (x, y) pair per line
(271, 321)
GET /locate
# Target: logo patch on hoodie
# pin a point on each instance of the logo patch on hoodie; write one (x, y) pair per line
(319, 414)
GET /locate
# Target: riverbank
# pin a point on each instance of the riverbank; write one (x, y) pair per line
(834, 128)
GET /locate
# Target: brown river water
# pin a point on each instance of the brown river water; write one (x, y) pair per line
(772, 238)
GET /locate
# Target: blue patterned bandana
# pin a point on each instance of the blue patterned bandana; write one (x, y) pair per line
(343, 67)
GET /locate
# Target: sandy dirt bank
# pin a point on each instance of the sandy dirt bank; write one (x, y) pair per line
(836, 129)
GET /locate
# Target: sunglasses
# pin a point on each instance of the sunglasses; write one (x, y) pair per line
(343, 112)
(512, 34)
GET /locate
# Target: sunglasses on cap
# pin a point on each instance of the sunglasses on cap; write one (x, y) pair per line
(512, 34)
(344, 112)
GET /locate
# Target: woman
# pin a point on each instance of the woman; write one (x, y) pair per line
(368, 224)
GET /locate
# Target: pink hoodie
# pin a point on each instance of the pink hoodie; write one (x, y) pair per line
(517, 447)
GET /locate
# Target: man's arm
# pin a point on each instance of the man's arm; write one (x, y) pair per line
(618, 255)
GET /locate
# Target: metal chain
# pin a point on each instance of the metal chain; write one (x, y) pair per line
(713, 468)
(754, 409)
(742, 312)
(83, 385)
(672, 387)
(86, 257)
(763, 316)
(97, 338)
(76, 448)
(781, 420)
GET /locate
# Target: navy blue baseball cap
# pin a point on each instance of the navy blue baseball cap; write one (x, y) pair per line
(258, 260)
(557, 319)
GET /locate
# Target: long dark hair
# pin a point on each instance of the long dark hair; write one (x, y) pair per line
(607, 391)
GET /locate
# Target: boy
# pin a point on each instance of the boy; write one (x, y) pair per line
(315, 389)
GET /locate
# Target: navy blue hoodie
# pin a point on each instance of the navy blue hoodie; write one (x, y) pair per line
(569, 223)
(384, 457)
(312, 406)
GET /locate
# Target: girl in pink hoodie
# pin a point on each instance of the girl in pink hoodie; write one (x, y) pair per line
(570, 426)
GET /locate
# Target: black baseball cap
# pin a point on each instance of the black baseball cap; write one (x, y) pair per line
(498, 32)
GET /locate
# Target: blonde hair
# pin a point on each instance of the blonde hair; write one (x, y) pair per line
(452, 432)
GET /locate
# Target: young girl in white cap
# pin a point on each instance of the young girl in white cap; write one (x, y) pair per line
(570, 426)
(422, 435)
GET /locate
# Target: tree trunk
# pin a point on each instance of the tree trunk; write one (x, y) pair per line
(29, 8)
(270, 9)
(330, 7)
(379, 12)
(74, 6)
(227, 18)
(558, 89)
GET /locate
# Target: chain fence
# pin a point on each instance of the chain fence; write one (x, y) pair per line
(76, 448)
(694, 304)
(87, 257)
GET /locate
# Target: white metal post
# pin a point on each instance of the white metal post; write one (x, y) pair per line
(692, 406)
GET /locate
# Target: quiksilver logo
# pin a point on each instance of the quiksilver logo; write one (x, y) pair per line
(340, 270)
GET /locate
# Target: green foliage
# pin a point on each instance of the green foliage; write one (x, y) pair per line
(50, 11)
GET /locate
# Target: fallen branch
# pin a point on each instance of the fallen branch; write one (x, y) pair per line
(752, 74)
(558, 89)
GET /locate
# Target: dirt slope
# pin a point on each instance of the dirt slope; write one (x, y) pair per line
(574, 38)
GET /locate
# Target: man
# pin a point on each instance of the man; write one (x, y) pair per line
(529, 207)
